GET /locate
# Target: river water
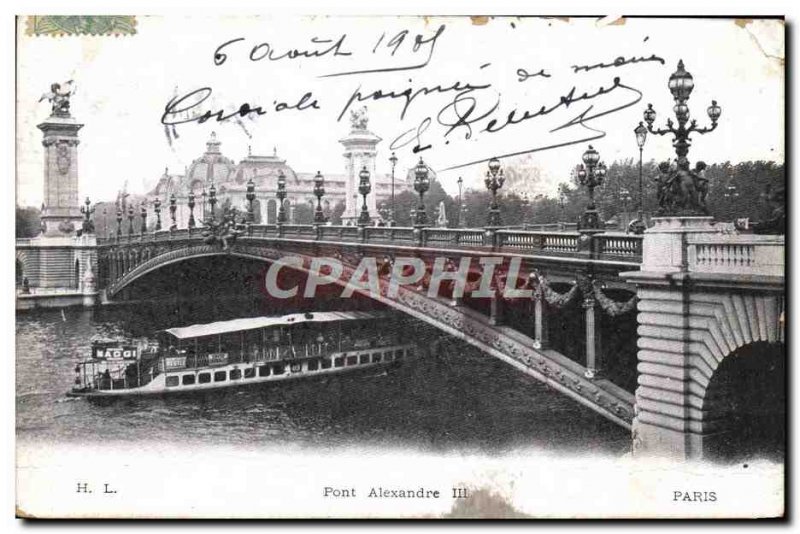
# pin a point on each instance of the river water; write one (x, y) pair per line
(461, 400)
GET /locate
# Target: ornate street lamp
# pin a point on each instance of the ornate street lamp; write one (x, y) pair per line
(250, 196)
(190, 203)
(143, 215)
(281, 194)
(172, 207)
(638, 225)
(205, 196)
(130, 220)
(460, 182)
(421, 185)
(119, 222)
(562, 200)
(526, 202)
(87, 209)
(494, 181)
(364, 188)
(212, 199)
(393, 161)
(682, 192)
(157, 208)
(626, 197)
(591, 174)
(319, 191)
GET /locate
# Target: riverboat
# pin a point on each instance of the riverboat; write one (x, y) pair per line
(238, 352)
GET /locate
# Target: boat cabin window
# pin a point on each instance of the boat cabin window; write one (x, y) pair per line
(172, 381)
(326, 363)
(235, 374)
(188, 380)
(250, 372)
(219, 376)
(389, 356)
(364, 358)
(278, 369)
(352, 360)
(339, 362)
(398, 354)
(313, 365)
(204, 378)
(376, 357)
(263, 370)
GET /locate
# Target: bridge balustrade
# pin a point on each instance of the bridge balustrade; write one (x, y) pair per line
(737, 254)
(610, 245)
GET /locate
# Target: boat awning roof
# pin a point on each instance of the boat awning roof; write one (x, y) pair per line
(252, 323)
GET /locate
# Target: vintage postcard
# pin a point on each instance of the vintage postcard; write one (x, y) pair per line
(400, 267)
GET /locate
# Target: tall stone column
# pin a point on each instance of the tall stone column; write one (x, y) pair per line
(61, 215)
(359, 151)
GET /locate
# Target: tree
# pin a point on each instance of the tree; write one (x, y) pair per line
(303, 213)
(337, 212)
(28, 222)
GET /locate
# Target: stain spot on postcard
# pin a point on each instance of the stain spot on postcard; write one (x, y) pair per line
(484, 504)
(479, 21)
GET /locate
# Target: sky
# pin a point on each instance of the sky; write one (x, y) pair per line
(124, 83)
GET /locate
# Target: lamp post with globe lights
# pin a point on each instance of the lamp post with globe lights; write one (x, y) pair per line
(364, 188)
(281, 194)
(591, 174)
(173, 206)
(494, 181)
(625, 197)
(190, 203)
(250, 196)
(130, 220)
(157, 209)
(143, 215)
(638, 226)
(562, 202)
(87, 210)
(421, 185)
(212, 200)
(319, 191)
(682, 191)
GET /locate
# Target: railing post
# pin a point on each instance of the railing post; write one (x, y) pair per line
(541, 335)
(490, 238)
(495, 309)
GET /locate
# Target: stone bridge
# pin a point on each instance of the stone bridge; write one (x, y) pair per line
(703, 308)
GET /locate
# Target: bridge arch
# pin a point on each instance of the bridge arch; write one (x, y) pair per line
(737, 350)
(549, 367)
(745, 404)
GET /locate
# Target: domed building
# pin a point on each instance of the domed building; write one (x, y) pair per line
(230, 181)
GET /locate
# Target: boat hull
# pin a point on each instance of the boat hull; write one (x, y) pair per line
(252, 374)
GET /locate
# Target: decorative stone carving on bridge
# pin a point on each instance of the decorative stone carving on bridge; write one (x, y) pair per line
(225, 231)
(59, 98)
(681, 191)
(610, 306)
(359, 118)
